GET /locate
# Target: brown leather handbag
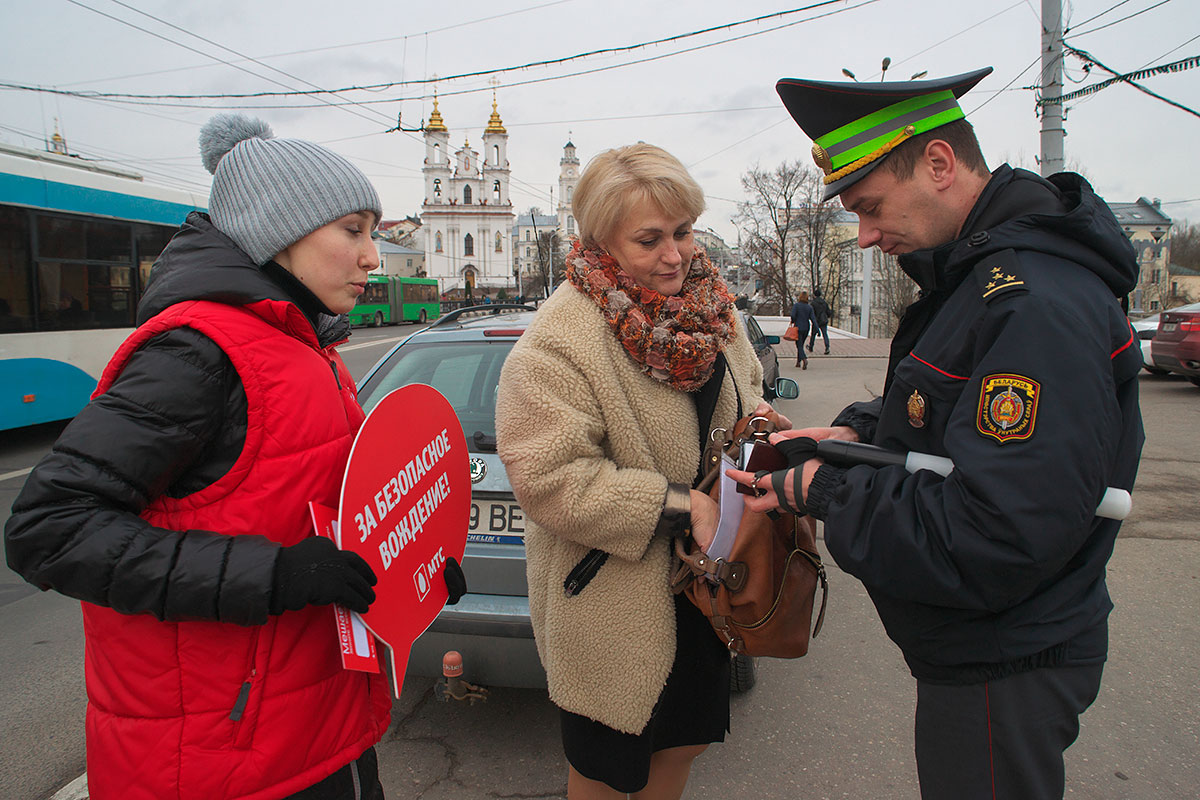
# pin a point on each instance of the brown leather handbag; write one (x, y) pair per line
(760, 599)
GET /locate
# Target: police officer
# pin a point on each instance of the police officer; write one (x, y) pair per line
(1017, 363)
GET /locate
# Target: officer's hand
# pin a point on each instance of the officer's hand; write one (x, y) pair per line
(842, 432)
(315, 572)
(766, 499)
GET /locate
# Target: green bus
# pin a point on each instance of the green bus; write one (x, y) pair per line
(391, 298)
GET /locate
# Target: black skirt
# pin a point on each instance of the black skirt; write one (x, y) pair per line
(693, 709)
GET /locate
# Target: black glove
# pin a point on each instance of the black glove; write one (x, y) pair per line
(315, 572)
(456, 581)
(796, 451)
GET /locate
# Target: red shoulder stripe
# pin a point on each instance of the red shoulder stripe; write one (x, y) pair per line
(1125, 346)
(938, 369)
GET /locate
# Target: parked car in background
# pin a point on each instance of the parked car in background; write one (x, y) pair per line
(1176, 344)
(1145, 328)
(766, 354)
(461, 355)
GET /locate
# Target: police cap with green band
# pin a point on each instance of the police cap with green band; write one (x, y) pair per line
(855, 125)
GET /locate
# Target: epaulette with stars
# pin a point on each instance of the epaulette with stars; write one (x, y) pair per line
(999, 274)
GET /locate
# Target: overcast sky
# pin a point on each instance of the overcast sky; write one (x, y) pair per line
(714, 107)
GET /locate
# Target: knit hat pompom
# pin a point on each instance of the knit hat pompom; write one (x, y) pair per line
(268, 193)
(224, 132)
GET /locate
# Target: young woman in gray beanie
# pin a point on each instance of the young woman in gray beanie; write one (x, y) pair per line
(175, 504)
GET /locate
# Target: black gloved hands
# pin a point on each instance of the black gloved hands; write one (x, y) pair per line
(315, 572)
(797, 451)
(456, 581)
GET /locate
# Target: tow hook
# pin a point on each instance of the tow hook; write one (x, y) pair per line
(452, 685)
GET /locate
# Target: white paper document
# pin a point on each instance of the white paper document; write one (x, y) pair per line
(731, 513)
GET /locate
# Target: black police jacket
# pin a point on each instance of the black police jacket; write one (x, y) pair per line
(1019, 365)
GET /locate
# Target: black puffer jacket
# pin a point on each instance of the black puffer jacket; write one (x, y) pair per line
(172, 423)
(1000, 566)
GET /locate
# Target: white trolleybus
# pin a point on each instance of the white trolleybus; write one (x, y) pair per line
(77, 241)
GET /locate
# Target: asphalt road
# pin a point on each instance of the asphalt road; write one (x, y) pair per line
(835, 724)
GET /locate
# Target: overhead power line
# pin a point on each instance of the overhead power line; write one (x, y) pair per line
(956, 35)
(206, 55)
(998, 92)
(1174, 66)
(1102, 13)
(308, 50)
(1118, 77)
(1122, 19)
(375, 87)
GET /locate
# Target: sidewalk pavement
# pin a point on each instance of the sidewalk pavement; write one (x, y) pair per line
(842, 344)
(838, 348)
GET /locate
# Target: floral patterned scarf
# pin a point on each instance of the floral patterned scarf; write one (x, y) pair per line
(674, 339)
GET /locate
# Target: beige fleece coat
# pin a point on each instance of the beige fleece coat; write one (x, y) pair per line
(590, 443)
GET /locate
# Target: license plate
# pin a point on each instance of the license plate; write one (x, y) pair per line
(1168, 327)
(496, 522)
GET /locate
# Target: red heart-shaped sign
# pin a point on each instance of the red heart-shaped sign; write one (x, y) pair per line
(406, 499)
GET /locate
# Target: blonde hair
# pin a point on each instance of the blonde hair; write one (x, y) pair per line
(616, 180)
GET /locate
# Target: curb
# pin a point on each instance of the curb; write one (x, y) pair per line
(75, 790)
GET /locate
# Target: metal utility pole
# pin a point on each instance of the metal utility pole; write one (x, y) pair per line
(1053, 131)
(537, 239)
(554, 213)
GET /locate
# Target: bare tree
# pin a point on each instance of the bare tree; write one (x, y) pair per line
(894, 292)
(550, 261)
(835, 279)
(1185, 245)
(790, 235)
(767, 218)
(816, 239)
(546, 268)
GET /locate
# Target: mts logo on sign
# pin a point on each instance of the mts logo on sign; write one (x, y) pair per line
(423, 577)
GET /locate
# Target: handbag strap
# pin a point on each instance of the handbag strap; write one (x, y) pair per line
(706, 405)
(730, 573)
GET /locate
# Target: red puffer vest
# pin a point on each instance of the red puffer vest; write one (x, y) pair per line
(211, 710)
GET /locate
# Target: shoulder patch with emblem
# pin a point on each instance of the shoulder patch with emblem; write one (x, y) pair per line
(999, 274)
(1007, 407)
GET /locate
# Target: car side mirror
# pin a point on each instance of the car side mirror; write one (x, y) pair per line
(786, 389)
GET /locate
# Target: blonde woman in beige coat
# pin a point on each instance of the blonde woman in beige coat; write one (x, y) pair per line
(597, 423)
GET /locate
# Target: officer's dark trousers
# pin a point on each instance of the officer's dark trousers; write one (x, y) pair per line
(1003, 739)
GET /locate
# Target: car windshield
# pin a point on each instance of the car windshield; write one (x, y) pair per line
(466, 373)
(754, 332)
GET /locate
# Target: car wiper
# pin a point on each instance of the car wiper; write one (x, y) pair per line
(484, 442)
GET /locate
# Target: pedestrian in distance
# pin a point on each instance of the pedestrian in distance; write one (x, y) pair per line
(600, 419)
(175, 505)
(821, 315)
(1018, 364)
(803, 319)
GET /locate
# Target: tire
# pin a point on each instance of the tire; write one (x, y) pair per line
(1155, 370)
(423, 317)
(1195, 381)
(378, 319)
(742, 674)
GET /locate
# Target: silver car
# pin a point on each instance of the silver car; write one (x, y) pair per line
(460, 355)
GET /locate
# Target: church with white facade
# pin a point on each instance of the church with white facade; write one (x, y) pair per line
(467, 216)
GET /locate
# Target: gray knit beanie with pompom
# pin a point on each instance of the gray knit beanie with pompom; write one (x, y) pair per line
(269, 193)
